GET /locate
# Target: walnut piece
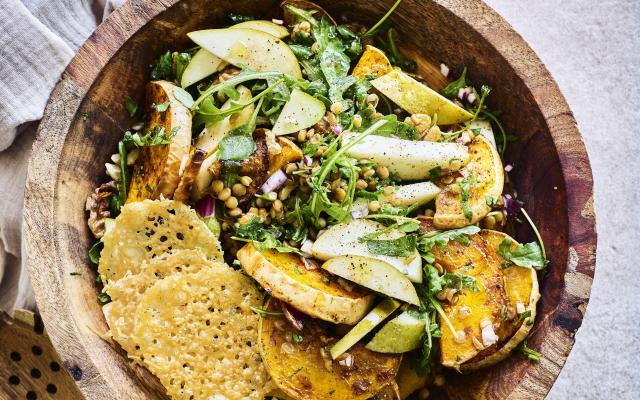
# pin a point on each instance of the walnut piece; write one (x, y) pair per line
(422, 123)
(98, 206)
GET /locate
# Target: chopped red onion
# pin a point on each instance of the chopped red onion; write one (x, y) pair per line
(471, 98)
(508, 168)
(206, 206)
(307, 161)
(310, 264)
(306, 248)
(512, 206)
(277, 21)
(275, 181)
(337, 129)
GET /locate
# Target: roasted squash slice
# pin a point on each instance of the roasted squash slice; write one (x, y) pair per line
(473, 310)
(300, 364)
(312, 291)
(289, 153)
(373, 62)
(465, 203)
(157, 169)
(521, 286)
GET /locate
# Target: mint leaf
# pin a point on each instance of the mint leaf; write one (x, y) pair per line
(236, 146)
(404, 246)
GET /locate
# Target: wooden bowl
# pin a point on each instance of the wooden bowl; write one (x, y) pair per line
(85, 118)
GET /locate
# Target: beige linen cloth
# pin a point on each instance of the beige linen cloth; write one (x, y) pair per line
(38, 38)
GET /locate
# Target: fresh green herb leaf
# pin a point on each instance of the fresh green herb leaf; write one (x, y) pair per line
(490, 200)
(403, 246)
(162, 67)
(237, 18)
(131, 106)
(104, 298)
(180, 61)
(524, 315)
(428, 240)
(162, 107)
(94, 252)
(397, 128)
(465, 188)
(529, 353)
(266, 314)
(451, 90)
(75, 273)
(236, 146)
(123, 182)
(156, 138)
(434, 173)
(527, 255)
(296, 337)
(377, 27)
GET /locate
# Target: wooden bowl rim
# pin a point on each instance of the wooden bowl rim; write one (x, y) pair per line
(103, 44)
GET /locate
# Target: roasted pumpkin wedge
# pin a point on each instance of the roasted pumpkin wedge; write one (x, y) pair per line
(465, 202)
(289, 152)
(157, 169)
(477, 316)
(300, 365)
(521, 286)
(373, 63)
(312, 291)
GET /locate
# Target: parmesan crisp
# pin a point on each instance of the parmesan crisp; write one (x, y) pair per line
(148, 229)
(198, 335)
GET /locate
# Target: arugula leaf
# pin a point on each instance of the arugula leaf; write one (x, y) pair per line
(266, 314)
(237, 18)
(440, 238)
(401, 247)
(452, 89)
(262, 237)
(156, 138)
(131, 106)
(527, 255)
(94, 252)
(180, 61)
(529, 353)
(123, 182)
(162, 67)
(397, 128)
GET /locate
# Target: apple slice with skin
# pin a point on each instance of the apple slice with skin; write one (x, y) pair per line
(374, 274)
(258, 51)
(269, 27)
(344, 239)
(300, 112)
(202, 64)
(366, 325)
(417, 98)
(411, 160)
(400, 335)
(414, 194)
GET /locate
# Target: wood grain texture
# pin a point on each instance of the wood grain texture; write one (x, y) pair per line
(85, 118)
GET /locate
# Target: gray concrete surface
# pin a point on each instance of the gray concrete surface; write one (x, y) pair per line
(592, 48)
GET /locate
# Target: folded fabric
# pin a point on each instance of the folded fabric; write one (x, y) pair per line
(38, 38)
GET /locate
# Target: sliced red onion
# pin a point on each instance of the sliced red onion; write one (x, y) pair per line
(292, 315)
(306, 248)
(275, 181)
(206, 206)
(307, 161)
(355, 214)
(337, 129)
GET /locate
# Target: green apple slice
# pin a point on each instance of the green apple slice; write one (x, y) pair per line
(373, 274)
(417, 98)
(300, 112)
(256, 50)
(414, 194)
(202, 64)
(269, 27)
(344, 239)
(400, 335)
(366, 325)
(411, 160)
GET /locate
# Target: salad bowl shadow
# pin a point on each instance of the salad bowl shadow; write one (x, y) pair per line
(85, 117)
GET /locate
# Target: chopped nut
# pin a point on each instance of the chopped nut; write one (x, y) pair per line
(374, 206)
(236, 212)
(382, 172)
(461, 337)
(98, 206)
(464, 312)
(357, 121)
(336, 108)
